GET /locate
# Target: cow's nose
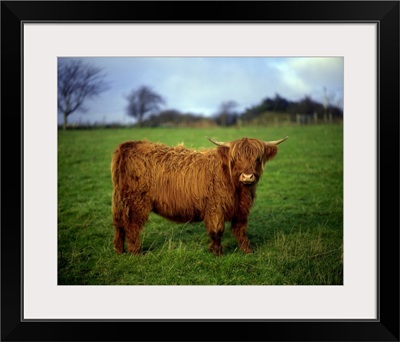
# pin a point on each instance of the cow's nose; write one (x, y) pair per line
(247, 178)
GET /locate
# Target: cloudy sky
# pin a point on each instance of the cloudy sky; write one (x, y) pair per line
(200, 85)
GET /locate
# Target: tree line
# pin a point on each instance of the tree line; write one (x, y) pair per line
(78, 81)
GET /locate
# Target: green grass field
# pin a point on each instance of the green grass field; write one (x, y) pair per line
(295, 226)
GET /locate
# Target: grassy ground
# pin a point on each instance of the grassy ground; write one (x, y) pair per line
(295, 227)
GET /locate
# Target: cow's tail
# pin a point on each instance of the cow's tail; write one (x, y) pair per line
(117, 203)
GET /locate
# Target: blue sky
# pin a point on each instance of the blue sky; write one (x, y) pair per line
(199, 85)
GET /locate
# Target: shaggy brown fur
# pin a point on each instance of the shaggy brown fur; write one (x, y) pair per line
(185, 185)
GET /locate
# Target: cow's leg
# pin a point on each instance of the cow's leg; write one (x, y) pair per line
(118, 221)
(133, 239)
(239, 227)
(119, 239)
(215, 228)
(136, 219)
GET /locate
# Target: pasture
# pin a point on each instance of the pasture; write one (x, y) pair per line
(295, 226)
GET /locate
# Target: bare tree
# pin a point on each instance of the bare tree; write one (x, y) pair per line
(77, 81)
(226, 113)
(142, 102)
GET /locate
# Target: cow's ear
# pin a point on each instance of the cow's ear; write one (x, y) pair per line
(270, 152)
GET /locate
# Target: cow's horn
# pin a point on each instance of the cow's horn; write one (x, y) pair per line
(275, 142)
(218, 143)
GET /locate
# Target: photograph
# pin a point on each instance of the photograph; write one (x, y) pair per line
(177, 165)
(131, 141)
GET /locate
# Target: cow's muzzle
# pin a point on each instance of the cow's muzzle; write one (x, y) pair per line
(247, 179)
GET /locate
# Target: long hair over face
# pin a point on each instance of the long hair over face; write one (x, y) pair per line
(249, 156)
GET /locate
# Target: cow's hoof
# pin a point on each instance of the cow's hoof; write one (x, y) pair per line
(247, 251)
(216, 250)
(134, 251)
(119, 248)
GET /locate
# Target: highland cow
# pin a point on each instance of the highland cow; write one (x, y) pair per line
(213, 185)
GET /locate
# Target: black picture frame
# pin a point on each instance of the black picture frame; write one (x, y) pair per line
(384, 13)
